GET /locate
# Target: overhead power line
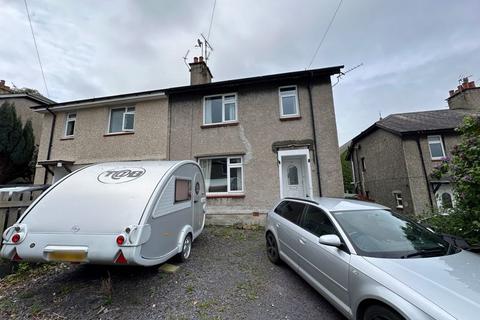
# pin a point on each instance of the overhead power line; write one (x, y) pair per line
(325, 34)
(36, 49)
(211, 20)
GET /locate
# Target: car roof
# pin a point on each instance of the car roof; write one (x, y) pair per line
(341, 204)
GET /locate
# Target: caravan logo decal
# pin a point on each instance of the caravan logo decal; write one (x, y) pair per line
(120, 175)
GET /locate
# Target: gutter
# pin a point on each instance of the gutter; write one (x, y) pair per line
(424, 171)
(50, 140)
(309, 86)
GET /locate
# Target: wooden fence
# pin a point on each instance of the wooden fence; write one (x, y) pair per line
(14, 203)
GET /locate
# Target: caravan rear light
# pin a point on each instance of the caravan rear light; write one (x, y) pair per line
(15, 238)
(120, 240)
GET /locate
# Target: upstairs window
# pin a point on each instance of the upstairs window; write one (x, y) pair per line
(70, 125)
(122, 119)
(223, 174)
(435, 145)
(220, 109)
(288, 102)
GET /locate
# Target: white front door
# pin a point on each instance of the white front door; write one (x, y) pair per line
(294, 177)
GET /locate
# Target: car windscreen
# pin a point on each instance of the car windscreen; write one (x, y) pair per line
(382, 233)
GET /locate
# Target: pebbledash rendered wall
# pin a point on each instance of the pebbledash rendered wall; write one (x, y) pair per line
(22, 107)
(259, 126)
(92, 143)
(385, 169)
(393, 165)
(418, 184)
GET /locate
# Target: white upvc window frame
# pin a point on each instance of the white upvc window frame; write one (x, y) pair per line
(127, 110)
(280, 96)
(69, 119)
(398, 199)
(229, 166)
(223, 95)
(438, 140)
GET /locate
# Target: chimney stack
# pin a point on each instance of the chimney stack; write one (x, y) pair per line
(3, 88)
(199, 72)
(466, 96)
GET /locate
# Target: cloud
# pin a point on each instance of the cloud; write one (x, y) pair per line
(413, 51)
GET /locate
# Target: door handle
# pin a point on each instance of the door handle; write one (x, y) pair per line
(302, 240)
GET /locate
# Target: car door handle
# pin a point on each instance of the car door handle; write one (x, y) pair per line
(302, 240)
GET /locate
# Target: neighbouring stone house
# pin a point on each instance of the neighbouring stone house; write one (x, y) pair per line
(257, 139)
(393, 159)
(23, 102)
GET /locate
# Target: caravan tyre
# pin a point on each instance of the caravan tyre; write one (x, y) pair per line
(186, 248)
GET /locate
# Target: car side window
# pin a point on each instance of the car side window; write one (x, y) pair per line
(290, 210)
(317, 222)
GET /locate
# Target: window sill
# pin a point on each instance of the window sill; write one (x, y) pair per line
(290, 118)
(216, 125)
(400, 207)
(67, 138)
(231, 195)
(118, 133)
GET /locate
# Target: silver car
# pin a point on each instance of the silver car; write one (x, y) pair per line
(371, 263)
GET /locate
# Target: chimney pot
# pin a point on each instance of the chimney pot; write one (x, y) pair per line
(451, 92)
(195, 59)
(2, 83)
(200, 58)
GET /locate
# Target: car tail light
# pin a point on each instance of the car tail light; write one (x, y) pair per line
(120, 240)
(15, 238)
(120, 258)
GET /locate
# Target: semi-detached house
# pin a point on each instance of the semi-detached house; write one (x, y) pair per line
(257, 139)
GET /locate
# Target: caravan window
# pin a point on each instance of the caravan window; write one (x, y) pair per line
(183, 190)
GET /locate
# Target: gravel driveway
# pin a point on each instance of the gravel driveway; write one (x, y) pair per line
(227, 277)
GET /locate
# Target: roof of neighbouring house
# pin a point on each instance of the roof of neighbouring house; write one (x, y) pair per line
(291, 76)
(33, 97)
(423, 121)
(415, 123)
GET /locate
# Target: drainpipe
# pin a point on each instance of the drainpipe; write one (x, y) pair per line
(49, 151)
(309, 86)
(424, 171)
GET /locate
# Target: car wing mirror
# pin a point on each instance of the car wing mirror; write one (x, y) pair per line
(330, 240)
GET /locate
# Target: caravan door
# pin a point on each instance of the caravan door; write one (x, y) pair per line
(198, 195)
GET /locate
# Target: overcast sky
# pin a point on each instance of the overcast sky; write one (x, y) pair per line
(413, 51)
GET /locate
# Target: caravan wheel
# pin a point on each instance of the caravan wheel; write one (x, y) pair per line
(186, 248)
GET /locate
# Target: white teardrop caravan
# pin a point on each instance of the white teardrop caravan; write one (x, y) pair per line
(137, 212)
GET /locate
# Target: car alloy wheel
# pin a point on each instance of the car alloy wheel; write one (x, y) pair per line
(272, 249)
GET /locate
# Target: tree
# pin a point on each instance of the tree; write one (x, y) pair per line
(464, 171)
(347, 173)
(17, 145)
